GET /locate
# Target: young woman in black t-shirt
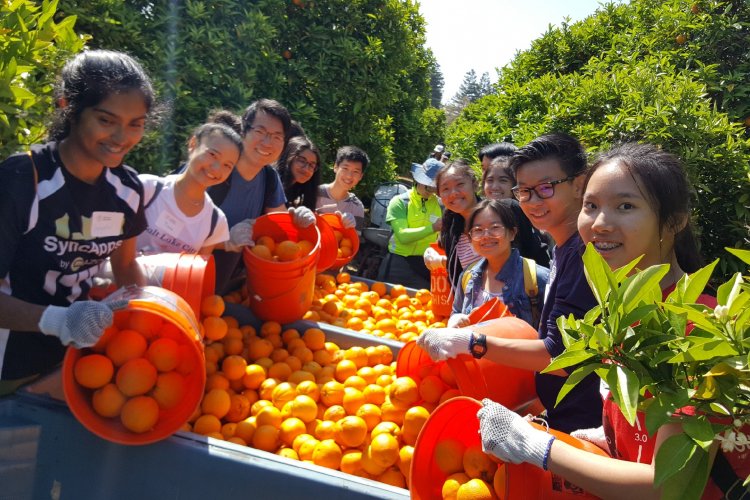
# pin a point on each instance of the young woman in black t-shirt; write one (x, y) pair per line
(66, 206)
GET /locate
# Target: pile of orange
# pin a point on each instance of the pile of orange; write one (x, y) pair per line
(471, 473)
(391, 314)
(300, 396)
(281, 251)
(137, 370)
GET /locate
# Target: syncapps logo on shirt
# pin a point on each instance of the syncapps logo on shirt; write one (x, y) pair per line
(99, 225)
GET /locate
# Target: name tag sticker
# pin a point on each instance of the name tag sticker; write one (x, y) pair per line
(169, 224)
(105, 224)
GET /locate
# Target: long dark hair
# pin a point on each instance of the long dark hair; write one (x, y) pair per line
(665, 183)
(88, 79)
(453, 223)
(307, 193)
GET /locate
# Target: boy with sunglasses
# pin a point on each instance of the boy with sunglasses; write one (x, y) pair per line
(549, 173)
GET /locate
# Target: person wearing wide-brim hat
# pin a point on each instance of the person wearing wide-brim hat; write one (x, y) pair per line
(415, 218)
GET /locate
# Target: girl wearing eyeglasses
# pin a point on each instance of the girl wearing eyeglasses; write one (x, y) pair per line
(299, 169)
(497, 183)
(492, 228)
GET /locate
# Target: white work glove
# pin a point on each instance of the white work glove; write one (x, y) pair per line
(240, 236)
(80, 324)
(444, 343)
(433, 260)
(510, 437)
(594, 435)
(302, 217)
(347, 220)
(458, 320)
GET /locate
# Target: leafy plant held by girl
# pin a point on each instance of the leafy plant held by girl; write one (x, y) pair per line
(636, 341)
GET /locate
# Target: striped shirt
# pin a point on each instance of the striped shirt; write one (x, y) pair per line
(466, 253)
(56, 233)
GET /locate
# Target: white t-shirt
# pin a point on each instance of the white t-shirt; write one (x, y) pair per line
(169, 229)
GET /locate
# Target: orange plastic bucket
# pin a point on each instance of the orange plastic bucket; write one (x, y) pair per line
(440, 287)
(456, 419)
(281, 291)
(335, 223)
(177, 323)
(481, 378)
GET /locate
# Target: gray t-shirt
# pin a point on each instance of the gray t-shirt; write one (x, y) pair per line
(351, 204)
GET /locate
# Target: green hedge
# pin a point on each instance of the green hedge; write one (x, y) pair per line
(622, 75)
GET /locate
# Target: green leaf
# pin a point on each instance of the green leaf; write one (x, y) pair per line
(700, 430)
(690, 481)
(638, 314)
(624, 386)
(695, 314)
(569, 357)
(743, 255)
(574, 378)
(598, 274)
(641, 284)
(673, 455)
(689, 287)
(705, 349)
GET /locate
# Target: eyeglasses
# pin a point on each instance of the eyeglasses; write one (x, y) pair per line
(543, 191)
(306, 164)
(494, 231)
(261, 132)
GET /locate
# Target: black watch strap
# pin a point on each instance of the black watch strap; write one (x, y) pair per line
(478, 345)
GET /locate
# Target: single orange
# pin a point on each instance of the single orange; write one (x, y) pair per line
(93, 371)
(164, 354)
(146, 323)
(234, 367)
(136, 377)
(126, 345)
(108, 401)
(288, 251)
(216, 402)
(239, 408)
(262, 252)
(267, 242)
(212, 305)
(140, 414)
(169, 390)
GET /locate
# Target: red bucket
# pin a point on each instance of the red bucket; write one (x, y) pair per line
(481, 378)
(456, 419)
(335, 223)
(281, 291)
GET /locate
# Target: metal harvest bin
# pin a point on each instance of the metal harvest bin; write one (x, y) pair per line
(46, 453)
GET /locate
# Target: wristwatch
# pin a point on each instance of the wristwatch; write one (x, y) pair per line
(478, 345)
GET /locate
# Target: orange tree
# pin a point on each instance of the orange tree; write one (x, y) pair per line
(351, 71)
(33, 47)
(673, 73)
